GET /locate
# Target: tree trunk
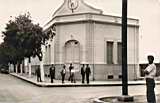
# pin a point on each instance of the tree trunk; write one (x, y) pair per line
(12, 67)
(24, 66)
(29, 66)
(17, 68)
(40, 57)
(21, 68)
(9, 67)
(42, 70)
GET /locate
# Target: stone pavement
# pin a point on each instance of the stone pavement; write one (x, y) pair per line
(58, 83)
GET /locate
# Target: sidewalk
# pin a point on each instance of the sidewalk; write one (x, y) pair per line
(58, 83)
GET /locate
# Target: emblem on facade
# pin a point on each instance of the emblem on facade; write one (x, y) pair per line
(72, 5)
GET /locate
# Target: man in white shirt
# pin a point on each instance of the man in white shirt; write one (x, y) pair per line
(150, 73)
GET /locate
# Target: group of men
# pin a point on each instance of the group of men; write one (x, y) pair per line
(85, 72)
(51, 71)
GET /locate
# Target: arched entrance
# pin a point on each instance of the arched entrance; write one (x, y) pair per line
(72, 52)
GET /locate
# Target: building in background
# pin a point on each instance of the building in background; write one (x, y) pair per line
(84, 35)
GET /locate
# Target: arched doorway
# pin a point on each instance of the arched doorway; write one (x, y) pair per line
(72, 52)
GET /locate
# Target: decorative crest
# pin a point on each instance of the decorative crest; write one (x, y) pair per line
(72, 5)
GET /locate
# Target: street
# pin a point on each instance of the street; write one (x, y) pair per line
(13, 90)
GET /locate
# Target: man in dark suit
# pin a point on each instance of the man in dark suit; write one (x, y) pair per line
(83, 73)
(88, 72)
(70, 68)
(38, 72)
(63, 73)
(52, 72)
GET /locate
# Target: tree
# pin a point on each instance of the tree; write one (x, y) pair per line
(6, 55)
(9, 47)
(25, 37)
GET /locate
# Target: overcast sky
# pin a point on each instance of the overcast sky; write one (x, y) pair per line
(147, 11)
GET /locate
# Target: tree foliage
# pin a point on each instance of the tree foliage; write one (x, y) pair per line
(23, 38)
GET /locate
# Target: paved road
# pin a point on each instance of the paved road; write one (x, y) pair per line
(13, 90)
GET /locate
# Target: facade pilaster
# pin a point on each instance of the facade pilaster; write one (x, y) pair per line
(115, 55)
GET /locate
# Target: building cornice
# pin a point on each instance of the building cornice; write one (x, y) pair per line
(96, 21)
(85, 17)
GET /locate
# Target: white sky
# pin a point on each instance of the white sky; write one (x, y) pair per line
(148, 11)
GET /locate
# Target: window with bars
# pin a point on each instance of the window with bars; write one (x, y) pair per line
(109, 52)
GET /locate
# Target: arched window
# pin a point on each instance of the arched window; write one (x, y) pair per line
(72, 51)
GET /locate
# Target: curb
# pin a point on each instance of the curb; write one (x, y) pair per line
(62, 85)
(97, 100)
(25, 79)
(39, 84)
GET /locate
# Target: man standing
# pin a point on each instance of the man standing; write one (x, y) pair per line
(38, 72)
(70, 68)
(63, 73)
(83, 73)
(52, 72)
(88, 72)
(150, 73)
(73, 79)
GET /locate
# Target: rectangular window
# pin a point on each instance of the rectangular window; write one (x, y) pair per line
(109, 52)
(119, 53)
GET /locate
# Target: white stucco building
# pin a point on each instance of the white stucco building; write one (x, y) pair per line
(84, 35)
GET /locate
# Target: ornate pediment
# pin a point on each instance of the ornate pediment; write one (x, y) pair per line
(70, 7)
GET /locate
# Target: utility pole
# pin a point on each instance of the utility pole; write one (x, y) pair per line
(124, 96)
(124, 49)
